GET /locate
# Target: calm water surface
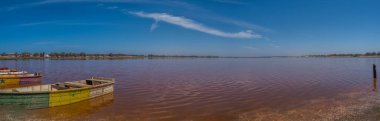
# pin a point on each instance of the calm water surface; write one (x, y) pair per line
(212, 89)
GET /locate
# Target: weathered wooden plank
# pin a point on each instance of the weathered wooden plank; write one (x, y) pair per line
(26, 100)
(67, 97)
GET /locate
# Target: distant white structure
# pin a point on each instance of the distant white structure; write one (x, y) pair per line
(47, 56)
(12, 55)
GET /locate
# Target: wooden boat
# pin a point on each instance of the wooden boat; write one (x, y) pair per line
(7, 71)
(11, 72)
(17, 79)
(50, 95)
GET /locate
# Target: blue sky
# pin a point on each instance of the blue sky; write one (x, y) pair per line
(191, 27)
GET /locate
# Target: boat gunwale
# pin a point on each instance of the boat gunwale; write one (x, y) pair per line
(18, 77)
(23, 93)
(82, 88)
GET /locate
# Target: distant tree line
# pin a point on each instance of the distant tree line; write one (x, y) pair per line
(82, 55)
(372, 54)
(348, 55)
(179, 56)
(61, 55)
(24, 54)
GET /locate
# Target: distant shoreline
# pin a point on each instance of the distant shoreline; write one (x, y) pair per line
(123, 57)
(163, 57)
(84, 56)
(342, 56)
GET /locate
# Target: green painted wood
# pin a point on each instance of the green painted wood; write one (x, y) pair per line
(31, 101)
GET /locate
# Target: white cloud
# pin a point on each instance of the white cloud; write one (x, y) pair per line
(190, 24)
(154, 26)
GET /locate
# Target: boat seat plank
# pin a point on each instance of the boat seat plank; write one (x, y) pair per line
(106, 81)
(77, 84)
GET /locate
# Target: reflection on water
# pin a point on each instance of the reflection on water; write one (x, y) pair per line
(374, 85)
(80, 109)
(215, 89)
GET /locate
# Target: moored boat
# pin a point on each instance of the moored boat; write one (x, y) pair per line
(7, 71)
(51, 95)
(17, 79)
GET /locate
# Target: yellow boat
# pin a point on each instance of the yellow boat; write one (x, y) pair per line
(12, 78)
(19, 79)
(51, 95)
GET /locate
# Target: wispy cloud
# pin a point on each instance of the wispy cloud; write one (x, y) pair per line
(63, 23)
(171, 3)
(245, 24)
(190, 24)
(250, 48)
(227, 20)
(45, 43)
(154, 26)
(180, 21)
(38, 23)
(46, 2)
(112, 7)
(82, 1)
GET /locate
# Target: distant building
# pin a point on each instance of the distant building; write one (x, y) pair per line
(47, 56)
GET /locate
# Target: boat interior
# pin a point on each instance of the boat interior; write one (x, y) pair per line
(60, 86)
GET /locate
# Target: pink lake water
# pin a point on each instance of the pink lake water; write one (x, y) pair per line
(219, 89)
